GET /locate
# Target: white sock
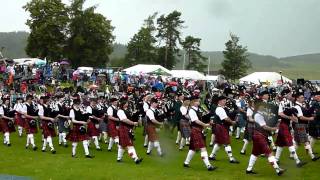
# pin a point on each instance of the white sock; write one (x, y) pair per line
(49, 140)
(110, 143)
(74, 148)
(20, 129)
(60, 138)
(32, 140)
(187, 141)
(96, 142)
(85, 147)
(189, 156)
(178, 137)
(120, 153)
(116, 140)
(215, 149)
(278, 153)
(238, 132)
(28, 139)
(105, 136)
(157, 145)
(7, 137)
(293, 152)
(309, 149)
(212, 139)
(270, 138)
(132, 153)
(245, 144)
(229, 152)
(44, 145)
(273, 162)
(182, 143)
(64, 135)
(311, 140)
(252, 161)
(150, 147)
(204, 157)
(145, 140)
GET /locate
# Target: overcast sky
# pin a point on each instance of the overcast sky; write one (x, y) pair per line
(270, 27)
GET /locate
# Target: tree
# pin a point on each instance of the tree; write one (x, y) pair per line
(195, 59)
(90, 36)
(236, 62)
(48, 22)
(141, 48)
(169, 33)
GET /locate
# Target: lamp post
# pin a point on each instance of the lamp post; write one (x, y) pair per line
(280, 72)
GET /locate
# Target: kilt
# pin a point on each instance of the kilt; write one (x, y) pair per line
(151, 131)
(19, 121)
(61, 127)
(5, 127)
(92, 130)
(29, 129)
(314, 129)
(144, 124)
(112, 129)
(47, 131)
(197, 139)
(75, 135)
(125, 139)
(248, 133)
(260, 144)
(300, 133)
(185, 128)
(221, 135)
(284, 137)
(103, 126)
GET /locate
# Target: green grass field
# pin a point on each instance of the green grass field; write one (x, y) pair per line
(16, 160)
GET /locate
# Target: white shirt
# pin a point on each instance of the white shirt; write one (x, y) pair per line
(41, 110)
(24, 109)
(221, 113)
(249, 112)
(1, 110)
(183, 110)
(110, 110)
(150, 113)
(18, 107)
(89, 109)
(258, 118)
(121, 115)
(298, 107)
(283, 104)
(193, 114)
(145, 106)
(71, 114)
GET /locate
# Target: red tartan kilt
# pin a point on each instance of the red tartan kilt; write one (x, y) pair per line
(112, 129)
(284, 137)
(19, 121)
(196, 139)
(75, 135)
(30, 130)
(221, 135)
(151, 131)
(5, 127)
(260, 144)
(46, 131)
(124, 138)
(92, 130)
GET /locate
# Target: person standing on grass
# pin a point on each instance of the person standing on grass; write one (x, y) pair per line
(113, 123)
(197, 139)
(177, 115)
(260, 140)
(7, 121)
(93, 125)
(184, 123)
(78, 132)
(19, 121)
(221, 131)
(30, 113)
(248, 133)
(47, 123)
(146, 107)
(152, 124)
(126, 133)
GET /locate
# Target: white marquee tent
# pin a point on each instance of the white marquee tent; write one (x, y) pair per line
(272, 78)
(188, 74)
(144, 69)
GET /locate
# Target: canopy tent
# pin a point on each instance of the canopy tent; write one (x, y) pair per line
(30, 61)
(188, 74)
(270, 78)
(145, 69)
(159, 72)
(212, 78)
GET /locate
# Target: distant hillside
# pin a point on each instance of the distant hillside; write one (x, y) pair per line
(294, 67)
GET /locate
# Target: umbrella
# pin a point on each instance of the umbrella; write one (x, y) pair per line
(159, 71)
(40, 62)
(64, 63)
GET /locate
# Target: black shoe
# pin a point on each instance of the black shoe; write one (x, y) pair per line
(250, 172)
(53, 151)
(119, 160)
(139, 161)
(300, 164)
(237, 137)
(210, 145)
(278, 162)
(145, 146)
(89, 156)
(9, 145)
(65, 145)
(74, 156)
(162, 154)
(281, 171)
(243, 153)
(109, 150)
(186, 165)
(43, 150)
(274, 149)
(35, 148)
(60, 144)
(99, 149)
(148, 153)
(212, 158)
(234, 161)
(211, 168)
(316, 158)
(27, 147)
